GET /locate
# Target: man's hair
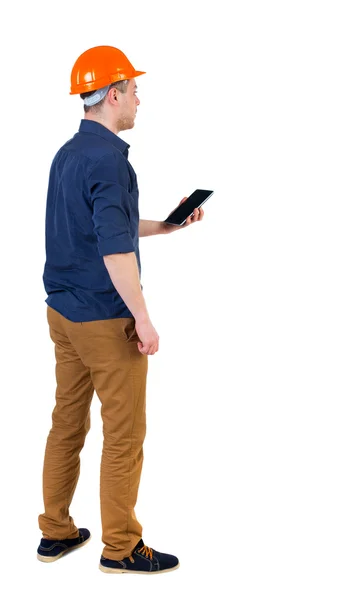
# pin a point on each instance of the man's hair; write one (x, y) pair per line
(121, 86)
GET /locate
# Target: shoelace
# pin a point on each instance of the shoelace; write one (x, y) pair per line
(145, 550)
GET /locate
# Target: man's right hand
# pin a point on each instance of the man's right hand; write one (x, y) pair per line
(149, 343)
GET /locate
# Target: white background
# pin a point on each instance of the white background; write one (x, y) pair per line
(250, 469)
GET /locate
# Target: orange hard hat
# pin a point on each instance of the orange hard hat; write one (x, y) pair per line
(98, 67)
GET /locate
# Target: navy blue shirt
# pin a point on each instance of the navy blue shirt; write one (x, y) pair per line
(91, 211)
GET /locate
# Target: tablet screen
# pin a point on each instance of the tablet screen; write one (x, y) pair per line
(195, 200)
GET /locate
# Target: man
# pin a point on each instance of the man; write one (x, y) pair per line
(98, 318)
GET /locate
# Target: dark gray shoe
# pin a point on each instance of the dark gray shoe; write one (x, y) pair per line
(142, 560)
(50, 550)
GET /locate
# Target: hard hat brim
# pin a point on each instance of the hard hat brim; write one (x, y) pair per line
(94, 85)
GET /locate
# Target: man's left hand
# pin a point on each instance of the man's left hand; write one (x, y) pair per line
(197, 215)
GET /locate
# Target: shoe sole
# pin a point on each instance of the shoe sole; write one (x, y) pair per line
(49, 559)
(111, 570)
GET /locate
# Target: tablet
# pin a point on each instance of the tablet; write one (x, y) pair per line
(184, 210)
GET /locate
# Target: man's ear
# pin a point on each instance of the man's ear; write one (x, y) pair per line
(114, 93)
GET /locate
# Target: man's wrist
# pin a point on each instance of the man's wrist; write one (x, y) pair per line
(162, 227)
(141, 316)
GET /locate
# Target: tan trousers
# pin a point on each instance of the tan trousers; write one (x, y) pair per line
(102, 356)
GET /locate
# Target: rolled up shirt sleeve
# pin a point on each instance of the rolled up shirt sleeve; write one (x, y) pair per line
(111, 203)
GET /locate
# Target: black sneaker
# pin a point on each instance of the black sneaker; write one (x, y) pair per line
(50, 550)
(142, 560)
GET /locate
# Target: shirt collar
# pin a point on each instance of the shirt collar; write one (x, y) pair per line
(89, 126)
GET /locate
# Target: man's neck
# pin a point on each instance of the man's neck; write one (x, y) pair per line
(105, 122)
